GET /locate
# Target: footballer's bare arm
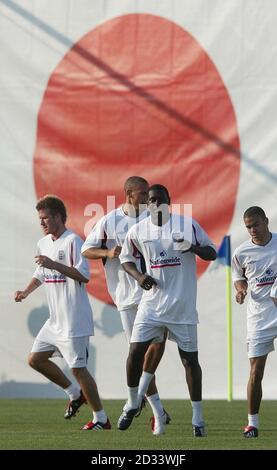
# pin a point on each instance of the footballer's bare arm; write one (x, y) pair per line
(206, 253)
(102, 253)
(22, 294)
(68, 271)
(241, 287)
(145, 281)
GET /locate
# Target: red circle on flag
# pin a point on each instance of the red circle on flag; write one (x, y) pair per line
(138, 95)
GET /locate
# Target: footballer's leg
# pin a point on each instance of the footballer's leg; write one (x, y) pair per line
(147, 384)
(194, 382)
(134, 370)
(75, 351)
(254, 390)
(88, 385)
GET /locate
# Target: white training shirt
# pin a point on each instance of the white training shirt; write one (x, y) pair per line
(258, 264)
(173, 300)
(69, 307)
(110, 231)
(273, 291)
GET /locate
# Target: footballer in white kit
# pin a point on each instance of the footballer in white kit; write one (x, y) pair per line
(172, 301)
(258, 265)
(168, 244)
(254, 266)
(70, 314)
(108, 232)
(64, 272)
(105, 242)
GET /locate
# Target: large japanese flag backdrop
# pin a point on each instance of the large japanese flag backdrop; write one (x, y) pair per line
(182, 92)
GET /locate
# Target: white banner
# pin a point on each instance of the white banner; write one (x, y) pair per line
(182, 92)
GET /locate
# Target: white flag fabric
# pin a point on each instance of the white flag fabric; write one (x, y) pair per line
(181, 92)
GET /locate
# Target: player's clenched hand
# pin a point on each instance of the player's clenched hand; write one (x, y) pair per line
(45, 262)
(241, 296)
(114, 252)
(147, 282)
(20, 295)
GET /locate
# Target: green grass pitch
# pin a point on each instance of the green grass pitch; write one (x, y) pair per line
(39, 424)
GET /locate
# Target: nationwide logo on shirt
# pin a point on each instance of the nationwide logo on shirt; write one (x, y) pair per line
(266, 280)
(55, 277)
(164, 262)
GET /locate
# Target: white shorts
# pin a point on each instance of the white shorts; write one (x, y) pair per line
(128, 319)
(184, 335)
(73, 350)
(258, 347)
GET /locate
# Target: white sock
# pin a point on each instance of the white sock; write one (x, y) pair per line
(253, 420)
(132, 401)
(156, 405)
(73, 392)
(197, 414)
(144, 383)
(100, 416)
